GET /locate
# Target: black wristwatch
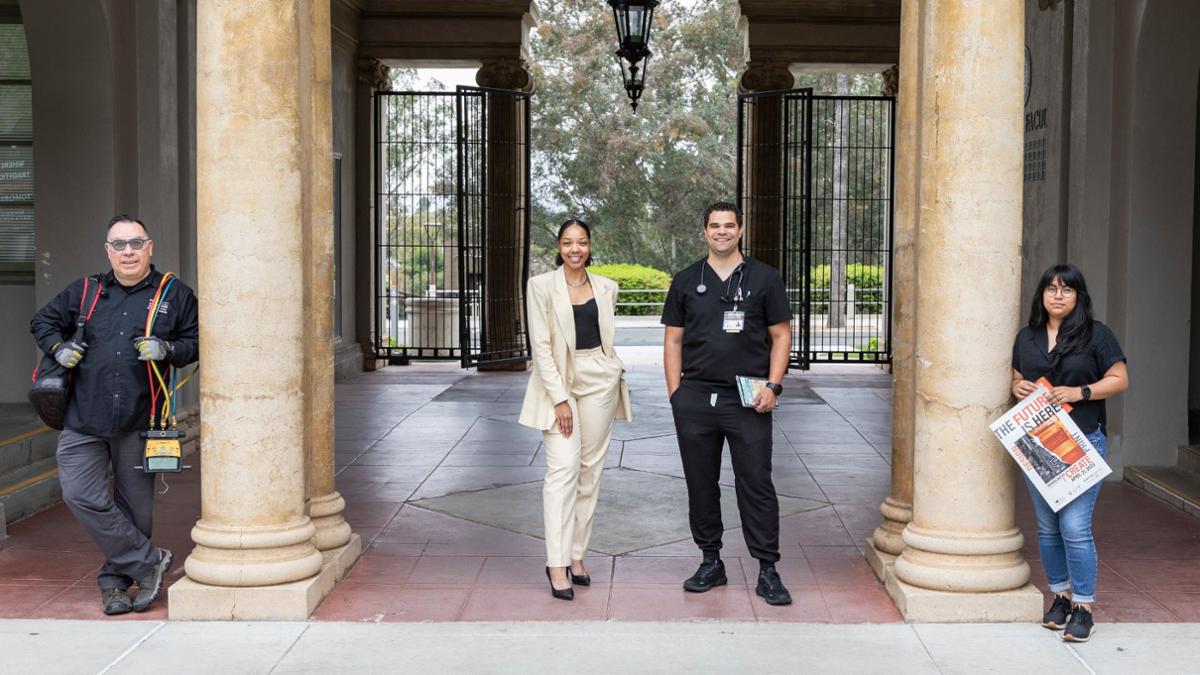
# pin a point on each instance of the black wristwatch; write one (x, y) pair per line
(777, 389)
(1087, 392)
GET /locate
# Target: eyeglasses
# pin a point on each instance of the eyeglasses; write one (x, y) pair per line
(1064, 291)
(120, 244)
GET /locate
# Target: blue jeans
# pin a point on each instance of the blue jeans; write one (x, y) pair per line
(1065, 540)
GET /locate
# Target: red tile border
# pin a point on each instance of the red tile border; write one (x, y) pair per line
(419, 565)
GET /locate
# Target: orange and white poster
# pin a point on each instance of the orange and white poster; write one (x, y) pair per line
(1049, 447)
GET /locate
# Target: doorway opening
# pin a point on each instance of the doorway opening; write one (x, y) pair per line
(452, 225)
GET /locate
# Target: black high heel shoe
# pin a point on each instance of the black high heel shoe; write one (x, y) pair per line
(579, 579)
(566, 593)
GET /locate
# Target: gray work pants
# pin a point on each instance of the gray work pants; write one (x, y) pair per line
(121, 524)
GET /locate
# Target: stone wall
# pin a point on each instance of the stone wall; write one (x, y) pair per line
(347, 353)
(19, 355)
(1047, 130)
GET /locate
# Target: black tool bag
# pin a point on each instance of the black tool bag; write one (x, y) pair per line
(51, 382)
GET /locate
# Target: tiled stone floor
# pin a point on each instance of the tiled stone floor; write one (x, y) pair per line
(427, 431)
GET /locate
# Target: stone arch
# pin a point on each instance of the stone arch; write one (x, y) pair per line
(1161, 202)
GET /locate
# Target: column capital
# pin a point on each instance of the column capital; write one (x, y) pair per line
(891, 81)
(374, 74)
(504, 73)
(766, 76)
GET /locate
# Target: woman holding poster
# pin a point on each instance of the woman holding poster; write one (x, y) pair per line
(1082, 359)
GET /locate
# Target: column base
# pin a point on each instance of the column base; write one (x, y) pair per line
(295, 601)
(889, 536)
(326, 514)
(881, 561)
(923, 605)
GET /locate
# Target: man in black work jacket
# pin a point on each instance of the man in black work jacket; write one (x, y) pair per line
(110, 405)
(727, 316)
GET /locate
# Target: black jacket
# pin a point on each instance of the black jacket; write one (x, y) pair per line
(110, 393)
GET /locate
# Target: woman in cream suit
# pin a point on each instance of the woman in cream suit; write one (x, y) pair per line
(576, 391)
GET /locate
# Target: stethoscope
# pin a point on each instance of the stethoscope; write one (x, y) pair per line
(701, 289)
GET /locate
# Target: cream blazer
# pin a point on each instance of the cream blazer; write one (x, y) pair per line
(552, 338)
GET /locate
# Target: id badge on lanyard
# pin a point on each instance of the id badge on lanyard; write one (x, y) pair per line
(734, 321)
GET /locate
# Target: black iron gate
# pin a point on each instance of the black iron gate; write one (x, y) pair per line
(815, 182)
(494, 223)
(452, 225)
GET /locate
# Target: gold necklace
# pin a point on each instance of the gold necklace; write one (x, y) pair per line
(580, 284)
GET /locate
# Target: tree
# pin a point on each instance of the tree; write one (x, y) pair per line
(642, 180)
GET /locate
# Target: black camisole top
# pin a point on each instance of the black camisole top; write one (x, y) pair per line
(587, 325)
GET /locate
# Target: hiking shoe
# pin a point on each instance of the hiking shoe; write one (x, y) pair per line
(1080, 627)
(771, 588)
(151, 585)
(115, 601)
(1060, 611)
(710, 574)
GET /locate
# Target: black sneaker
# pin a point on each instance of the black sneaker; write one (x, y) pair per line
(1081, 626)
(1060, 611)
(771, 588)
(115, 601)
(151, 585)
(711, 573)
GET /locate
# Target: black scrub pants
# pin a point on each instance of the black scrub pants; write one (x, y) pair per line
(702, 429)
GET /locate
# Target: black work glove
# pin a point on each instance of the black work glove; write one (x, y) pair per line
(152, 348)
(70, 353)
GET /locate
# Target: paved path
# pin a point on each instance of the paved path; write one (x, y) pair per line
(443, 486)
(76, 647)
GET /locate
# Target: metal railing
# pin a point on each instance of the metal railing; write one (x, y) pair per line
(870, 298)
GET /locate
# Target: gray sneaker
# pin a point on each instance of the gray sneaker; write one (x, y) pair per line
(115, 601)
(151, 585)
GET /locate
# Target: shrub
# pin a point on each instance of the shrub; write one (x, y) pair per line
(862, 276)
(631, 277)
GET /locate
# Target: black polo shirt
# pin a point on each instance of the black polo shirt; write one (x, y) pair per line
(109, 390)
(711, 356)
(1032, 361)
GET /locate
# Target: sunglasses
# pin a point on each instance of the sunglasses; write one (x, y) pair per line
(120, 244)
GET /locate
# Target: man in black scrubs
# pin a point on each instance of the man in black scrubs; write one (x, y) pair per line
(725, 316)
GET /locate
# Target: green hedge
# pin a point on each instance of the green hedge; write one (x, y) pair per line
(859, 274)
(636, 277)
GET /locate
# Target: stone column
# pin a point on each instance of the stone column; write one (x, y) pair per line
(372, 76)
(763, 165)
(886, 544)
(963, 558)
(325, 505)
(257, 147)
(505, 204)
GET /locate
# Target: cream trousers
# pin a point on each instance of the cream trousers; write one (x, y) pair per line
(573, 465)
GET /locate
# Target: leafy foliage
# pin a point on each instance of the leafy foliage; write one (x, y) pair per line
(641, 179)
(635, 282)
(868, 284)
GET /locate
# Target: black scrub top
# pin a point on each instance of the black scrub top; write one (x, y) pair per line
(711, 356)
(1031, 359)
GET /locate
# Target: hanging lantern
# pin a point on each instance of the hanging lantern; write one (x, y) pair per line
(633, 19)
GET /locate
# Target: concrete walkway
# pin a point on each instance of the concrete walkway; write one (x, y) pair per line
(444, 487)
(76, 647)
